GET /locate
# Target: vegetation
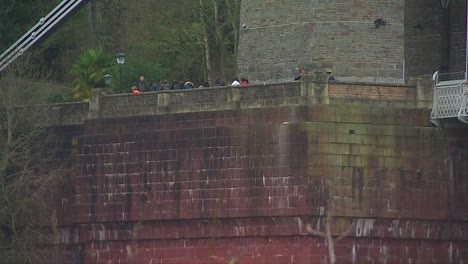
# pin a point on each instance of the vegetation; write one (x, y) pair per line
(167, 39)
(88, 72)
(27, 176)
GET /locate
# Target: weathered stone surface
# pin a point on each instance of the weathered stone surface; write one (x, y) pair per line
(343, 36)
(221, 183)
(313, 89)
(186, 176)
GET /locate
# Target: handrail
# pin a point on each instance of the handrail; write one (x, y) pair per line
(45, 24)
(438, 77)
(463, 112)
(435, 77)
(450, 101)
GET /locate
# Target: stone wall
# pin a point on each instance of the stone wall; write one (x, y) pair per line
(434, 37)
(280, 250)
(424, 33)
(341, 35)
(219, 175)
(307, 91)
(458, 16)
(218, 186)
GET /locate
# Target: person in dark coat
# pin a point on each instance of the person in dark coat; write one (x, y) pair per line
(300, 74)
(331, 77)
(144, 86)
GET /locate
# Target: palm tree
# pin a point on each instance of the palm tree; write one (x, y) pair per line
(89, 71)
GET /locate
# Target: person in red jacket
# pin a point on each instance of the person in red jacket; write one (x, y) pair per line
(135, 90)
(244, 81)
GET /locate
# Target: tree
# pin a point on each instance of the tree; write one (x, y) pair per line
(89, 71)
(188, 39)
(330, 237)
(176, 39)
(219, 20)
(28, 176)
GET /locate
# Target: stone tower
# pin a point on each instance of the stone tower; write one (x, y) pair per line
(360, 40)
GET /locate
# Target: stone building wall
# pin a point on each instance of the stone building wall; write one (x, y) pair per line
(458, 16)
(281, 37)
(434, 37)
(424, 27)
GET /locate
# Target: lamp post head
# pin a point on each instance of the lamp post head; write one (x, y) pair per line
(120, 58)
(442, 4)
(108, 79)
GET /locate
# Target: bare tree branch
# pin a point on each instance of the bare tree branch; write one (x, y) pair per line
(315, 232)
(27, 177)
(348, 231)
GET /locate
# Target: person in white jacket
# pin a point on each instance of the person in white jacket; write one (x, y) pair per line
(235, 82)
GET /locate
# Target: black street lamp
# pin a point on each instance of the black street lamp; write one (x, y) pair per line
(108, 79)
(120, 60)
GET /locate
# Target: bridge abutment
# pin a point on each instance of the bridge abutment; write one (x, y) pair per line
(223, 174)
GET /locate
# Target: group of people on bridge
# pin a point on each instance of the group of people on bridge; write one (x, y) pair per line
(301, 73)
(164, 85)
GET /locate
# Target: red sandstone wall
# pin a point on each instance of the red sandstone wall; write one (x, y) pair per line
(275, 250)
(211, 187)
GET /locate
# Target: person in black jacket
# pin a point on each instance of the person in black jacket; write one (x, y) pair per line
(331, 77)
(144, 86)
(300, 74)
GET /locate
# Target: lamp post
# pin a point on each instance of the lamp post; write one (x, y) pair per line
(120, 60)
(108, 79)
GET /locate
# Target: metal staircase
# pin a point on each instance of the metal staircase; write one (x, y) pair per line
(61, 12)
(450, 103)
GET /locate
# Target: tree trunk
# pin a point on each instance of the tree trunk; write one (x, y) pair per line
(234, 17)
(331, 243)
(90, 31)
(219, 36)
(205, 42)
(235, 26)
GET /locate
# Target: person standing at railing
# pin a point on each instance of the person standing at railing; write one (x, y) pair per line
(244, 82)
(175, 85)
(219, 83)
(188, 85)
(235, 82)
(154, 87)
(300, 74)
(331, 77)
(135, 90)
(144, 86)
(164, 85)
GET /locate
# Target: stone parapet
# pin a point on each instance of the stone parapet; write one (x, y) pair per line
(312, 89)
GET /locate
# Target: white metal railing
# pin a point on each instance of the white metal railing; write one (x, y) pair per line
(45, 24)
(463, 112)
(450, 100)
